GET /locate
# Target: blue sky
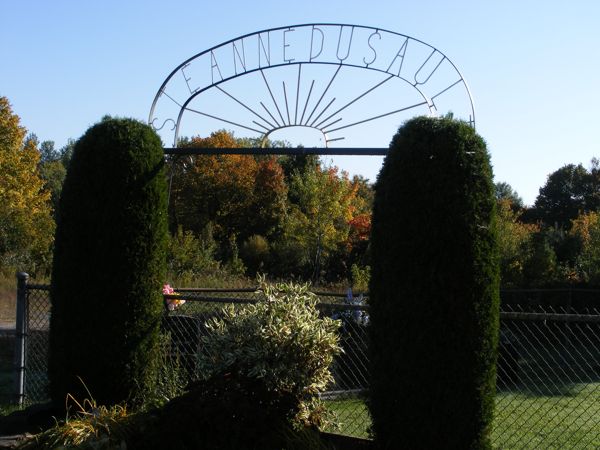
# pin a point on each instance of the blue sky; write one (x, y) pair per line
(532, 67)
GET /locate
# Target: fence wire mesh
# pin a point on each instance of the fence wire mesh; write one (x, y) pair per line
(37, 327)
(548, 383)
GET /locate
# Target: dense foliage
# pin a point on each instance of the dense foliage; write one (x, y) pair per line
(280, 340)
(434, 290)
(265, 214)
(547, 244)
(109, 264)
(26, 225)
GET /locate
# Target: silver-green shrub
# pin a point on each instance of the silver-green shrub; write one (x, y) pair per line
(280, 340)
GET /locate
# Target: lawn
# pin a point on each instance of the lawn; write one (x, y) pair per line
(549, 422)
(522, 421)
(352, 416)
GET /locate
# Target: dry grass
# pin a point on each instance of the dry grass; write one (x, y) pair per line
(87, 425)
(8, 295)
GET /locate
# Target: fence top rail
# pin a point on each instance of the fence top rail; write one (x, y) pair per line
(193, 289)
(551, 317)
(237, 300)
(548, 290)
(257, 289)
(40, 287)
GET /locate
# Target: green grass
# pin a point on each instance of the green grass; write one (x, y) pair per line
(547, 421)
(352, 417)
(522, 421)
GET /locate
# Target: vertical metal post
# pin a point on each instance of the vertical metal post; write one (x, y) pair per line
(21, 335)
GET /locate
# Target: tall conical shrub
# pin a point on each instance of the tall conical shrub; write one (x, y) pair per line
(434, 290)
(109, 263)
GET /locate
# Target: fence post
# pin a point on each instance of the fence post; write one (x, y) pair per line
(21, 335)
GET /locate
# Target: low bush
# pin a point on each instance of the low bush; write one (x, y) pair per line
(280, 341)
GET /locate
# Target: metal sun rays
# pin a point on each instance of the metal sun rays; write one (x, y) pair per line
(309, 117)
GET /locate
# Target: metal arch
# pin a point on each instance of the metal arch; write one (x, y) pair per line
(429, 101)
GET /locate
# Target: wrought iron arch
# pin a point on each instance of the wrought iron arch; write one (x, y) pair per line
(402, 60)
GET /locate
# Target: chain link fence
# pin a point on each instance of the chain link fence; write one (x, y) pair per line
(32, 341)
(548, 385)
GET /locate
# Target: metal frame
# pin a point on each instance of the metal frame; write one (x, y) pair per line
(281, 113)
(337, 151)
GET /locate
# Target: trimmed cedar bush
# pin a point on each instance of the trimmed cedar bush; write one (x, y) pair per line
(109, 265)
(434, 290)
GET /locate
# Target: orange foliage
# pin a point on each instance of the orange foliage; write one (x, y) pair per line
(360, 227)
(236, 193)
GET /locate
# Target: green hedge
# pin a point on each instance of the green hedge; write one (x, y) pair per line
(434, 290)
(109, 264)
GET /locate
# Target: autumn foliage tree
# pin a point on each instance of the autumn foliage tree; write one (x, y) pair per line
(514, 239)
(586, 231)
(238, 195)
(319, 220)
(26, 225)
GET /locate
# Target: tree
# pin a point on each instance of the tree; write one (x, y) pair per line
(292, 164)
(53, 171)
(568, 192)
(269, 199)
(513, 239)
(26, 226)
(434, 290)
(109, 265)
(48, 153)
(360, 224)
(586, 229)
(238, 194)
(504, 191)
(540, 266)
(319, 221)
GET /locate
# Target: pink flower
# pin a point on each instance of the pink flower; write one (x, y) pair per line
(168, 290)
(172, 303)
